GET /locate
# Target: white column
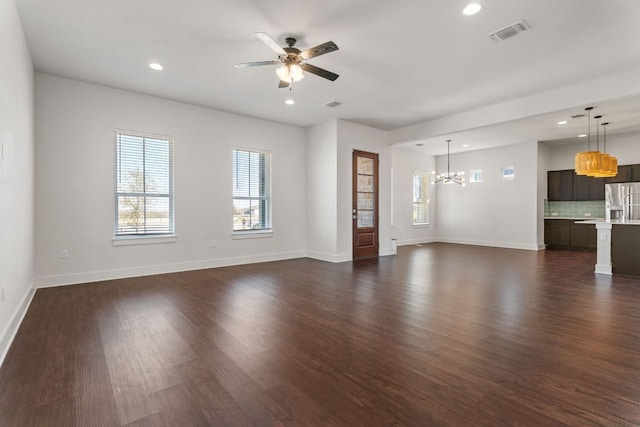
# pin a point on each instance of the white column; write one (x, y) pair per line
(603, 265)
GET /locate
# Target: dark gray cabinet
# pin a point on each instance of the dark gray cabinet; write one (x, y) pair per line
(588, 188)
(565, 185)
(626, 173)
(625, 249)
(567, 234)
(560, 185)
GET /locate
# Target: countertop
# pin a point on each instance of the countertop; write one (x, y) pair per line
(576, 218)
(616, 222)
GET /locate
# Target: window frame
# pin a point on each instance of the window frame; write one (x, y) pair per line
(265, 197)
(144, 237)
(423, 199)
(473, 173)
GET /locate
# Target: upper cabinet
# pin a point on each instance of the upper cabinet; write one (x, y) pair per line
(560, 185)
(588, 188)
(626, 173)
(565, 185)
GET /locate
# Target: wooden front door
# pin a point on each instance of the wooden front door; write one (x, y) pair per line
(365, 204)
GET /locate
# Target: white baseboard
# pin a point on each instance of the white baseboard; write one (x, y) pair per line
(11, 330)
(604, 269)
(96, 276)
(408, 242)
(386, 252)
(493, 244)
(322, 256)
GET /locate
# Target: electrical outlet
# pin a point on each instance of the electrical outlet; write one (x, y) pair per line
(213, 243)
(64, 253)
(2, 294)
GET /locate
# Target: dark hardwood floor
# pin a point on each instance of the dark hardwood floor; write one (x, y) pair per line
(437, 335)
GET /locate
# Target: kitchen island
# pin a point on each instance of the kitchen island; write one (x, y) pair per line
(618, 247)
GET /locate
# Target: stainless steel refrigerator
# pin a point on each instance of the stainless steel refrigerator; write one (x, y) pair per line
(622, 201)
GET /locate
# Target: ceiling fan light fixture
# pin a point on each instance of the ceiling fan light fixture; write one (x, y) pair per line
(290, 73)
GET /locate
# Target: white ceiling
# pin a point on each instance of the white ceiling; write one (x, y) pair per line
(400, 63)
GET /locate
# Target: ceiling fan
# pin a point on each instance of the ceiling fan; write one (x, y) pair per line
(292, 60)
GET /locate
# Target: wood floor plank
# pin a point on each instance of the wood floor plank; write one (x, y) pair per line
(438, 335)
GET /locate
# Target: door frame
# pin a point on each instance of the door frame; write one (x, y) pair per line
(367, 233)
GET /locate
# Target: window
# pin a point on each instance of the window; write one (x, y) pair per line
(420, 200)
(475, 175)
(508, 172)
(144, 185)
(251, 190)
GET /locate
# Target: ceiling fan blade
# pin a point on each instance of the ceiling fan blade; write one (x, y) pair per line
(256, 63)
(319, 50)
(283, 84)
(320, 72)
(266, 38)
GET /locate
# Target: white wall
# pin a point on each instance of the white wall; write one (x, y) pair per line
(322, 191)
(544, 159)
(351, 137)
(75, 183)
(623, 146)
(494, 212)
(16, 175)
(405, 162)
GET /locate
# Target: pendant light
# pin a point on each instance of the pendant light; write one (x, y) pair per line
(449, 178)
(608, 163)
(587, 161)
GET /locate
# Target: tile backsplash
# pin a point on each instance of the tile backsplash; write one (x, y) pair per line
(590, 209)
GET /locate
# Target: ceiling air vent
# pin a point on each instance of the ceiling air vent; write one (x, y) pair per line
(509, 31)
(577, 116)
(332, 104)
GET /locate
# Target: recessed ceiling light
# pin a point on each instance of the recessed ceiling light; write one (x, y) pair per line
(156, 66)
(289, 102)
(562, 122)
(472, 9)
(583, 135)
(465, 145)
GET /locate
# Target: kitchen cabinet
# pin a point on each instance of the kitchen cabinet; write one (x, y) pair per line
(626, 173)
(596, 188)
(588, 188)
(567, 234)
(560, 185)
(625, 249)
(557, 233)
(565, 185)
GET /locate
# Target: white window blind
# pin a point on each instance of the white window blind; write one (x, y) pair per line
(144, 185)
(251, 190)
(420, 198)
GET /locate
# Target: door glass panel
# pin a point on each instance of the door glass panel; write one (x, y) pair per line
(365, 183)
(365, 219)
(366, 192)
(365, 166)
(365, 201)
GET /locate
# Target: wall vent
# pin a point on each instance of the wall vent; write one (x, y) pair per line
(332, 104)
(509, 31)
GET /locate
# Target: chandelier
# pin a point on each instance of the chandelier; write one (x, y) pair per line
(449, 178)
(595, 163)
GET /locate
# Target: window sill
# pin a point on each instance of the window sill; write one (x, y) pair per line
(253, 234)
(425, 225)
(143, 240)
